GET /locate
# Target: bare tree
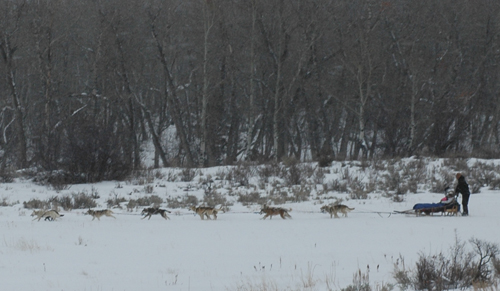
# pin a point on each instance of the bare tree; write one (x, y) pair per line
(251, 81)
(9, 42)
(361, 57)
(171, 91)
(208, 23)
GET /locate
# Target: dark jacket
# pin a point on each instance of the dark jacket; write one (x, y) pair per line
(462, 187)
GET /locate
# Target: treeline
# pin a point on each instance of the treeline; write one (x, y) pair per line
(86, 84)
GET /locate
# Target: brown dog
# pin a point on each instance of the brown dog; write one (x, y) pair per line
(453, 211)
(98, 213)
(335, 209)
(205, 211)
(271, 211)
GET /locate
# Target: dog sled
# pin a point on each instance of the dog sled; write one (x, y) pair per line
(426, 209)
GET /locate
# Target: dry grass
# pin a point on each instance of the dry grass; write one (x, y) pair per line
(25, 245)
(265, 285)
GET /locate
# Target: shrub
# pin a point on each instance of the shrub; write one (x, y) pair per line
(402, 178)
(402, 276)
(486, 252)
(143, 177)
(115, 201)
(456, 164)
(301, 193)
(293, 175)
(276, 196)
(6, 175)
(94, 152)
(239, 175)
(150, 200)
(474, 187)
(319, 176)
(483, 174)
(361, 282)
(94, 193)
(4, 202)
(148, 189)
(58, 180)
(214, 199)
(83, 200)
(397, 198)
(457, 270)
(357, 189)
(495, 184)
(36, 204)
(496, 266)
(412, 186)
(392, 180)
(65, 202)
(267, 171)
(182, 202)
(131, 205)
(336, 186)
(415, 170)
(438, 185)
(80, 200)
(188, 174)
(325, 160)
(250, 198)
(171, 175)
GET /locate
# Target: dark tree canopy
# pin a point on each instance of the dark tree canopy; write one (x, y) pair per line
(85, 85)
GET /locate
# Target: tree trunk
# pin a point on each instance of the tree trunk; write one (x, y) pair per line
(156, 138)
(208, 23)
(251, 105)
(22, 148)
(172, 100)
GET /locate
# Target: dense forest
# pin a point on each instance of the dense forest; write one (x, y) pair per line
(86, 85)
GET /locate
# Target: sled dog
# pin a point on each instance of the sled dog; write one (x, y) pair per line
(205, 211)
(271, 211)
(335, 209)
(48, 215)
(148, 212)
(453, 211)
(98, 213)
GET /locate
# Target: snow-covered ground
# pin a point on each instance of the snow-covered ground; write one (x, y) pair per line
(238, 251)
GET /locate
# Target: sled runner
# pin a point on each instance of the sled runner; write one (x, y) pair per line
(431, 208)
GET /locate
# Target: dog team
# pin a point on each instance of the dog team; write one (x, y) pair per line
(202, 211)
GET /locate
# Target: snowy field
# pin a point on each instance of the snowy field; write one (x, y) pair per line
(239, 251)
